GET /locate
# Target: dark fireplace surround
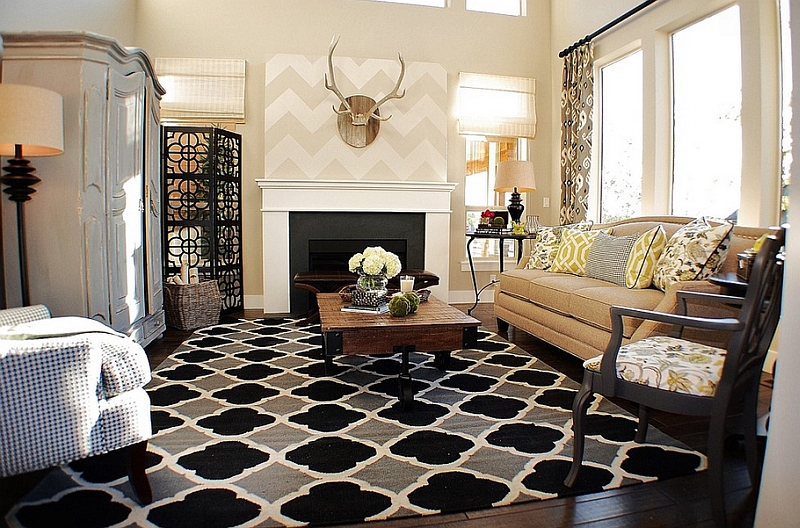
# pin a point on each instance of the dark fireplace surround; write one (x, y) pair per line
(325, 241)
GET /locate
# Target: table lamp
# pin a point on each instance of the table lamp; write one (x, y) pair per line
(515, 176)
(31, 123)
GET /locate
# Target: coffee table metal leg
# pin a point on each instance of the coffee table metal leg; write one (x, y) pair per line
(441, 360)
(470, 337)
(405, 391)
(331, 345)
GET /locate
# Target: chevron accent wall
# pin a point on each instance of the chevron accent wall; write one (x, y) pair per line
(302, 139)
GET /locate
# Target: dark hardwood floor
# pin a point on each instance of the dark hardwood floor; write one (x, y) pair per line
(679, 502)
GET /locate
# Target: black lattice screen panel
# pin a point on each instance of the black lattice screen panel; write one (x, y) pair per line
(202, 213)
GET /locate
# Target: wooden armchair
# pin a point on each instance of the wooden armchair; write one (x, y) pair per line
(675, 375)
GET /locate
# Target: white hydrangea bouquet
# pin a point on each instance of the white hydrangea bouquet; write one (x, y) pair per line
(375, 261)
(374, 266)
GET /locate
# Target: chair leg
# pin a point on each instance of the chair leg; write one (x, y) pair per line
(137, 472)
(716, 450)
(644, 422)
(749, 418)
(579, 406)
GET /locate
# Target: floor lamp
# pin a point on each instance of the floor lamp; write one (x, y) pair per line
(31, 123)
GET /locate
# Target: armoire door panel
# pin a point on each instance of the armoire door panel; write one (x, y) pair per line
(126, 186)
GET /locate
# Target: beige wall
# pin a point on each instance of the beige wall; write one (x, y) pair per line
(112, 18)
(459, 41)
(257, 29)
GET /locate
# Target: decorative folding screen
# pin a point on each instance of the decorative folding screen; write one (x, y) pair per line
(493, 105)
(202, 90)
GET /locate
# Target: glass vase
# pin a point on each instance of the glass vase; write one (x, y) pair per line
(532, 224)
(370, 290)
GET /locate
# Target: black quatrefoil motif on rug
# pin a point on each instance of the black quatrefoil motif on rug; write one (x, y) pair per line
(245, 394)
(331, 454)
(209, 508)
(223, 460)
(433, 447)
(336, 503)
(234, 422)
(325, 390)
(327, 417)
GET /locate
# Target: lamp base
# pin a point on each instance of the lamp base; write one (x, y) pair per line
(19, 179)
(515, 207)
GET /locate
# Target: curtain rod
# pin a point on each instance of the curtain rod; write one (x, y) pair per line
(618, 20)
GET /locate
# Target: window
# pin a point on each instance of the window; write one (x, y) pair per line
(707, 102)
(483, 155)
(500, 7)
(621, 138)
(786, 110)
(429, 3)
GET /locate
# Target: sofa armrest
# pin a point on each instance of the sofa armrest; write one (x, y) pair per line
(670, 304)
(25, 314)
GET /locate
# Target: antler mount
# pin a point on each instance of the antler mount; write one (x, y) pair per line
(359, 115)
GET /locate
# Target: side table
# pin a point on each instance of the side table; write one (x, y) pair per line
(472, 235)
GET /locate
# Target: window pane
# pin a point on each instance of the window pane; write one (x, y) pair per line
(786, 110)
(621, 143)
(501, 7)
(430, 3)
(707, 91)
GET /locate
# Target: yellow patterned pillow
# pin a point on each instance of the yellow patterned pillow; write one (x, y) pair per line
(574, 250)
(643, 257)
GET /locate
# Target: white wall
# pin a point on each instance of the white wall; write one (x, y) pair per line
(777, 499)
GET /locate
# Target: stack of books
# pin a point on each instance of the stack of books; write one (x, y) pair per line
(379, 309)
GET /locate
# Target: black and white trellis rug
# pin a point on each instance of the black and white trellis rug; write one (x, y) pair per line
(250, 432)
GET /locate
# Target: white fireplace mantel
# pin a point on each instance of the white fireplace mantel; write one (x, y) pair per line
(280, 197)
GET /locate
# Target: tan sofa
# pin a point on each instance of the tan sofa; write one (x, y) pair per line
(572, 312)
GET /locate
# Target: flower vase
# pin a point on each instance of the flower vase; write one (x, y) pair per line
(370, 290)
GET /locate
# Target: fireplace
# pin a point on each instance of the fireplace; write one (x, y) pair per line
(415, 212)
(325, 241)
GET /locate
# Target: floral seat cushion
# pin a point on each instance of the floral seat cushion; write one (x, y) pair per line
(670, 364)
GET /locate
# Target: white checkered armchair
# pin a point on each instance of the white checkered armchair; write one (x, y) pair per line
(70, 388)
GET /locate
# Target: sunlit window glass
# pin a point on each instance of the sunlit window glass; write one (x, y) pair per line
(707, 91)
(500, 7)
(621, 143)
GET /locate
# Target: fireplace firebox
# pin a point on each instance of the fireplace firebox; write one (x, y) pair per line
(325, 241)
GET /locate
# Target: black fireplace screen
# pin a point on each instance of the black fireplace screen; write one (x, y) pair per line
(202, 176)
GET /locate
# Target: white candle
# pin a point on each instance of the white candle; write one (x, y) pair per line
(406, 283)
(185, 272)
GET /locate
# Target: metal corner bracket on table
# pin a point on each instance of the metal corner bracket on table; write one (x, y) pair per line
(472, 235)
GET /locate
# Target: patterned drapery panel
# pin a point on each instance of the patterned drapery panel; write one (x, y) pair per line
(577, 99)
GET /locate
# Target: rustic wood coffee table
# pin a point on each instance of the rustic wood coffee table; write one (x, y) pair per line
(436, 327)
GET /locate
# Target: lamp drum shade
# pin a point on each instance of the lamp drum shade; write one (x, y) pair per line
(32, 117)
(515, 176)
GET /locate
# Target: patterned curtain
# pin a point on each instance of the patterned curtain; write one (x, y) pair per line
(577, 99)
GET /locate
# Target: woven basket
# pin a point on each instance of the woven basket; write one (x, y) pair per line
(191, 306)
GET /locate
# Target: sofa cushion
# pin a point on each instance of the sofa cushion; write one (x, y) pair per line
(592, 304)
(553, 290)
(642, 260)
(695, 251)
(608, 257)
(574, 251)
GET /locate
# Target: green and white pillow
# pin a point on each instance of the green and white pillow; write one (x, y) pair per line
(696, 251)
(546, 244)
